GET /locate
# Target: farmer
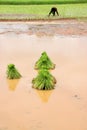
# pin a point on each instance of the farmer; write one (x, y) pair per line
(53, 11)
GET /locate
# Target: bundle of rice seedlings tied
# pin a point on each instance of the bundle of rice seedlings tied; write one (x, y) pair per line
(44, 62)
(12, 72)
(44, 80)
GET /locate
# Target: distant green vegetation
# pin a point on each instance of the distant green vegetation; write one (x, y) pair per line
(22, 2)
(41, 11)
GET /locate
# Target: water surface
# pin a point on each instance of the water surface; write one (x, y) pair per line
(24, 108)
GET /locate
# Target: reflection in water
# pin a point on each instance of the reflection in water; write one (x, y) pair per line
(12, 84)
(44, 94)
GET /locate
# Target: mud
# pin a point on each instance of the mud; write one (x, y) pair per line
(24, 108)
(40, 28)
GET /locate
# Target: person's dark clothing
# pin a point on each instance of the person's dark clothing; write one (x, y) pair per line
(53, 11)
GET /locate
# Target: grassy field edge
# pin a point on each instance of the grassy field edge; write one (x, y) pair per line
(42, 19)
(39, 2)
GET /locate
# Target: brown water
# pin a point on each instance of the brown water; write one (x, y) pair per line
(24, 108)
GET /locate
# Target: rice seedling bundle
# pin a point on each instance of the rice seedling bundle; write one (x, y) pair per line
(44, 80)
(12, 72)
(44, 62)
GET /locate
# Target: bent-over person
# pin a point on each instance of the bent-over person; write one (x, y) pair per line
(53, 11)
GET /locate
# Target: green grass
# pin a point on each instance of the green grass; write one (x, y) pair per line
(41, 11)
(41, 1)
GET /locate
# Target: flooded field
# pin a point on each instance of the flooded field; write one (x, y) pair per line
(24, 108)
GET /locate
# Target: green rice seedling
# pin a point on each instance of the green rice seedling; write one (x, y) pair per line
(44, 62)
(44, 80)
(12, 72)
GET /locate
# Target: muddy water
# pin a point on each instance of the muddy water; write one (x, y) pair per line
(65, 107)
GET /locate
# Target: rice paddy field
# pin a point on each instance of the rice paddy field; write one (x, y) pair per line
(42, 11)
(25, 108)
(22, 105)
(39, 9)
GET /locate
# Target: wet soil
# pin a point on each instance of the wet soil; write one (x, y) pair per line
(46, 28)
